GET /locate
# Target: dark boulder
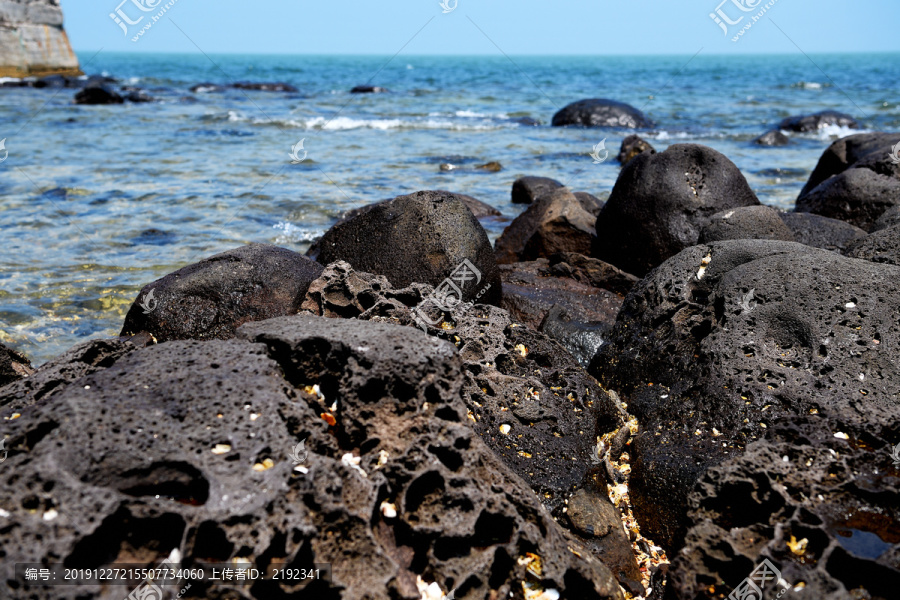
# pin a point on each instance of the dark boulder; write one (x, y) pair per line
(661, 202)
(212, 298)
(424, 237)
(821, 232)
(206, 88)
(581, 339)
(98, 95)
(772, 138)
(888, 218)
(817, 498)
(526, 190)
(480, 209)
(746, 223)
(881, 246)
(137, 95)
(13, 365)
(556, 222)
(197, 451)
(632, 146)
(265, 87)
(872, 149)
(816, 121)
(368, 89)
(590, 203)
(723, 341)
(858, 195)
(599, 112)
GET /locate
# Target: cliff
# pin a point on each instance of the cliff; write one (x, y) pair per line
(32, 40)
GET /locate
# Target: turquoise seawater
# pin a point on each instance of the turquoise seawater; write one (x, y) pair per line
(99, 200)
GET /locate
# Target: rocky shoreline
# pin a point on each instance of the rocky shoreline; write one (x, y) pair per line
(678, 374)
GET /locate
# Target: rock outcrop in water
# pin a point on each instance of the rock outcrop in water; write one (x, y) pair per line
(33, 41)
(599, 112)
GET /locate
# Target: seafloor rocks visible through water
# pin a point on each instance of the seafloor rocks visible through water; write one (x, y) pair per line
(818, 498)
(423, 237)
(394, 490)
(724, 340)
(600, 112)
(212, 298)
(661, 202)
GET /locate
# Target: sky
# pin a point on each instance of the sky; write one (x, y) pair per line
(485, 27)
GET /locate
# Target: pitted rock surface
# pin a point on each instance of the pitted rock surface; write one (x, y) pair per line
(186, 445)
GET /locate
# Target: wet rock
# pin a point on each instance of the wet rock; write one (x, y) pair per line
(821, 232)
(871, 149)
(155, 237)
(212, 298)
(588, 289)
(423, 237)
(816, 121)
(492, 167)
(526, 190)
(369, 89)
(746, 223)
(632, 146)
(661, 202)
(98, 95)
(724, 340)
(772, 138)
(858, 195)
(137, 95)
(265, 86)
(821, 508)
(581, 339)
(526, 121)
(599, 112)
(528, 399)
(13, 365)
(880, 246)
(54, 375)
(557, 222)
(196, 456)
(206, 88)
(489, 167)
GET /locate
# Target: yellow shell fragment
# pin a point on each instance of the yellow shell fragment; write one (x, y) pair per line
(221, 449)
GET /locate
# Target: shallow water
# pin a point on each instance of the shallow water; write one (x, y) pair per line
(98, 201)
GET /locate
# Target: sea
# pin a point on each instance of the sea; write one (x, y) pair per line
(97, 201)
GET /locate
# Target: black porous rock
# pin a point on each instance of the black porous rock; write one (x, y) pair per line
(889, 218)
(661, 202)
(480, 209)
(871, 150)
(556, 222)
(816, 121)
(13, 365)
(581, 339)
(858, 195)
(821, 232)
(98, 94)
(632, 146)
(722, 341)
(265, 86)
(772, 138)
(600, 112)
(368, 89)
(817, 498)
(526, 190)
(424, 237)
(212, 298)
(395, 491)
(590, 202)
(881, 246)
(746, 223)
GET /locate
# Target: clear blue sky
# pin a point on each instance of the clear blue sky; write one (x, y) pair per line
(593, 27)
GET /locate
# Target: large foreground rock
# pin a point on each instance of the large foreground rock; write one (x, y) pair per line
(722, 341)
(817, 498)
(880, 246)
(394, 490)
(599, 112)
(423, 238)
(661, 202)
(746, 223)
(556, 222)
(212, 298)
(33, 41)
(821, 232)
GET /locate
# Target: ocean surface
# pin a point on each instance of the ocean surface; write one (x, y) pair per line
(98, 201)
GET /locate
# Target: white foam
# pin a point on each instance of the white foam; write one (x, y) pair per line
(839, 131)
(348, 123)
(294, 234)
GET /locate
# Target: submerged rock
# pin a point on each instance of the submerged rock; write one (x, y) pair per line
(425, 237)
(212, 298)
(600, 112)
(661, 202)
(369, 89)
(265, 86)
(816, 121)
(97, 94)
